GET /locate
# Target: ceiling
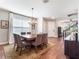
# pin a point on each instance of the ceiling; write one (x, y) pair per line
(53, 8)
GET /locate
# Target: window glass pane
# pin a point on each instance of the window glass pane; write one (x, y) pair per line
(17, 23)
(21, 24)
(25, 23)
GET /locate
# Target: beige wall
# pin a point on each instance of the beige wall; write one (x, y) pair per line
(3, 32)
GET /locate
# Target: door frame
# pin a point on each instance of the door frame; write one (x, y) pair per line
(45, 27)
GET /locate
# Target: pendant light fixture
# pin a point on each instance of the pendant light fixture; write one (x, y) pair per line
(32, 15)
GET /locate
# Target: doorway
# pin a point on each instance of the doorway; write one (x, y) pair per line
(49, 26)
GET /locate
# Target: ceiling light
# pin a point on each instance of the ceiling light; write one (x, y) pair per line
(45, 1)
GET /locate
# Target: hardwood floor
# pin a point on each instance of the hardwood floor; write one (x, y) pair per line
(55, 52)
(2, 55)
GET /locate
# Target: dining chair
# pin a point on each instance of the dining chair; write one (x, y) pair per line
(45, 39)
(28, 32)
(21, 44)
(15, 40)
(38, 41)
(23, 33)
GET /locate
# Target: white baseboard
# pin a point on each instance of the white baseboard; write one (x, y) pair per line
(3, 43)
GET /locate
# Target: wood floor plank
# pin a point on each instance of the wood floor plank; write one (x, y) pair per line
(2, 54)
(56, 52)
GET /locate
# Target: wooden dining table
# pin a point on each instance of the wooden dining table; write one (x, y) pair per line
(29, 37)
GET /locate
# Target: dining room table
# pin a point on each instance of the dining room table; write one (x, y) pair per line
(29, 38)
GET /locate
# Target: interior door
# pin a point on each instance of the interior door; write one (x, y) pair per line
(51, 29)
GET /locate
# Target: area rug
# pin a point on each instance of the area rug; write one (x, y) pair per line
(10, 53)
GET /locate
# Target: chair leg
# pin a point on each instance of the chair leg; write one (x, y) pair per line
(46, 45)
(20, 51)
(36, 49)
(30, 48)
(41, 46)
(14, 46)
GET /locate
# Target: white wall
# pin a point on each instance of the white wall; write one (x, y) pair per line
(3, 32)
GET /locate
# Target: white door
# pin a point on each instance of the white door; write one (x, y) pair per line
(51, 29)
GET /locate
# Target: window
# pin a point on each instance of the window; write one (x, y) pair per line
(21, 24)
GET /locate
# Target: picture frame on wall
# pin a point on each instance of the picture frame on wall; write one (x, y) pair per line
(4, 24)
